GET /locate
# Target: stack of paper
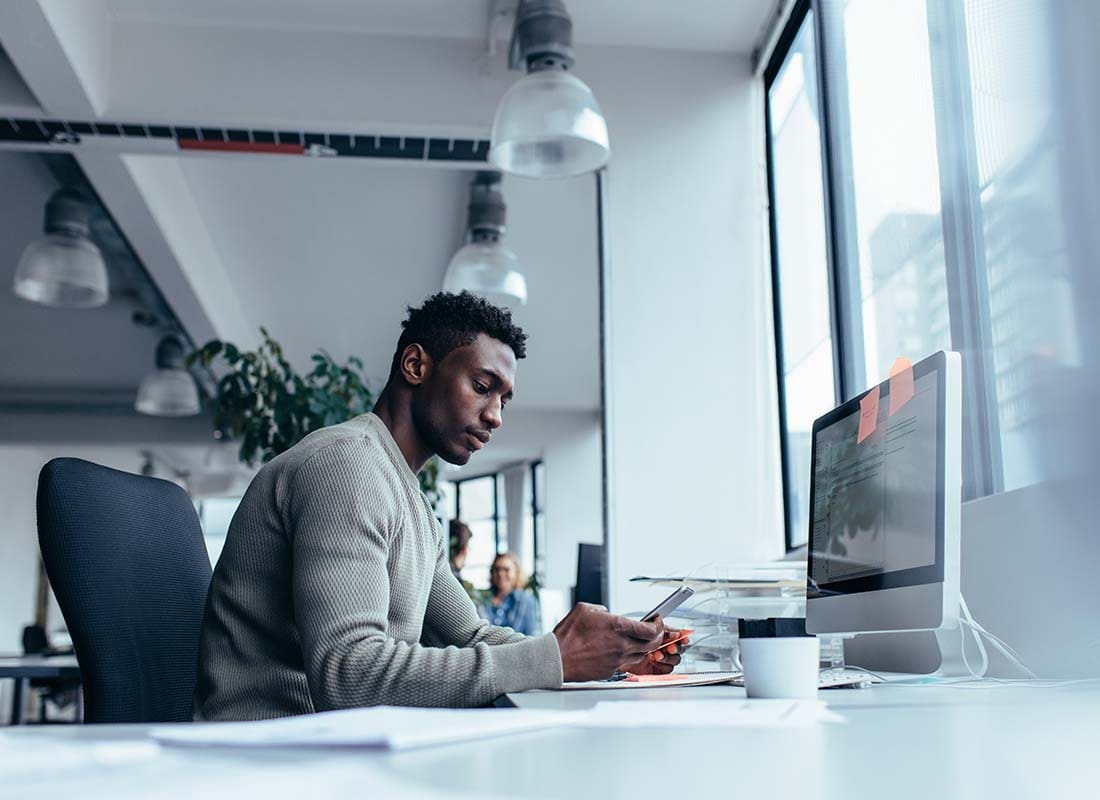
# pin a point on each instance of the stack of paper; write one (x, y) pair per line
(651, 681)
(382, 728)
(391, 728)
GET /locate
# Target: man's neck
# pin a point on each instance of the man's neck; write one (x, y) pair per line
(395, 411)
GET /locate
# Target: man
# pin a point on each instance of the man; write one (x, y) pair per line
(460, 550)
(334, 588)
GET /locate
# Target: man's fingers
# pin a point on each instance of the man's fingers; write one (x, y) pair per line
(642, 631)
(661, 667)
(591, 607)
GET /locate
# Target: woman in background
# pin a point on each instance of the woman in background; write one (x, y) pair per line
(507, 603)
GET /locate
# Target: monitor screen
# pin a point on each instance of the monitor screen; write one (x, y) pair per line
(589, 587)
(877, 504)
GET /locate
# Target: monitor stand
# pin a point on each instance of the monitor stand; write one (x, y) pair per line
(952, 660)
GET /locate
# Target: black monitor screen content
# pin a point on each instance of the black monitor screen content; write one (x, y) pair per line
(875, 501)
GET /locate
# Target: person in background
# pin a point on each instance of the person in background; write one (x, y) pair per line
(460, 535)
(507, 604)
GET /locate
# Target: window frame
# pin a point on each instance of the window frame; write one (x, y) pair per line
(496, 502)
(791, 30)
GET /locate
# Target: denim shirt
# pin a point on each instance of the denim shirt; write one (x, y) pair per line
(518, 611)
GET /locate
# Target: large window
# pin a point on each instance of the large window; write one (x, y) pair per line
(937, 219)
(885, 168)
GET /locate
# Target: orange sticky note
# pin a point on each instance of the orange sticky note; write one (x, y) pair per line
(868, 414)
(901, 384)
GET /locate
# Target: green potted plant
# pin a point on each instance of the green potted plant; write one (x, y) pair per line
(268, 406)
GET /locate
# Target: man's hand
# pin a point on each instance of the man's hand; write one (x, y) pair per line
(662, 661)
(594, 642)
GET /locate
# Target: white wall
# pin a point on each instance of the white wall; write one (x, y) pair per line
(18, 543)
(693, 428)
(573, 501)
(19, 468)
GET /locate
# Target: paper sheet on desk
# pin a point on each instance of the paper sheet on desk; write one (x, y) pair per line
(381, 728)
(733, 713)
(669, 681)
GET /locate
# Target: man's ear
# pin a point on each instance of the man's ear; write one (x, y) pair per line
(415, 364)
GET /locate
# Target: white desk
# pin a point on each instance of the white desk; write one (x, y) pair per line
(899, 742)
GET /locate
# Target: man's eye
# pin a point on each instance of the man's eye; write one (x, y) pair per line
(481, 388)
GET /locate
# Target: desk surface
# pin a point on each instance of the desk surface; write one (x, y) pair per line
(39, 667)
(900, 742)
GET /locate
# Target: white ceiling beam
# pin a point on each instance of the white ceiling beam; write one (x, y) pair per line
(305, 79)
(16, 99)
(152, 203)
(62, 50)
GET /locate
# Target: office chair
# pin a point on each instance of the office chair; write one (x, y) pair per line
(127, 562)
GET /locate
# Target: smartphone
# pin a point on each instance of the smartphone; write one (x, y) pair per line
(670, 603)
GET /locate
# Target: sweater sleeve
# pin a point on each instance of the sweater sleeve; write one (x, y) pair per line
(341, 512)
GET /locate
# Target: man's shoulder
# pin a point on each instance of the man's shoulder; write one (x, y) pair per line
(350, 451)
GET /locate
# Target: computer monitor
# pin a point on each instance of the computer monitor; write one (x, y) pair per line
(885, 496)
(589, 587)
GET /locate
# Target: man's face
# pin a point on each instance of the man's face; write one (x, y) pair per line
(457, 408)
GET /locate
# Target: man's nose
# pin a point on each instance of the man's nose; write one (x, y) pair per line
(491, 415)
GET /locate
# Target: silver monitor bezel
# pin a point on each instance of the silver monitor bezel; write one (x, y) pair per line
(921, 598)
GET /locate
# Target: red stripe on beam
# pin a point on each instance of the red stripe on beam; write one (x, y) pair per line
(243, 147)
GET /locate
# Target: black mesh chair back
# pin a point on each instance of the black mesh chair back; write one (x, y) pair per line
(127, 562)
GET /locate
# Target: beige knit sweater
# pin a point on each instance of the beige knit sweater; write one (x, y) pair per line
(334, 590)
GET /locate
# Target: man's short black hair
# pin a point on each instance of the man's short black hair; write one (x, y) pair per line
(447, 321)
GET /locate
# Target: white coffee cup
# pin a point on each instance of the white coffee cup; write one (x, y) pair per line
(780, 666)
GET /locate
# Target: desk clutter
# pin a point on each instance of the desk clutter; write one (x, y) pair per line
(739, 592)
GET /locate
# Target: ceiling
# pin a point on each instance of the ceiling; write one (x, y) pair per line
(50, 353)
(329, 255)
(732, 26)
(325, 253)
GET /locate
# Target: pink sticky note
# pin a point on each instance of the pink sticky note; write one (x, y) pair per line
(901, 384)
(868, 414)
